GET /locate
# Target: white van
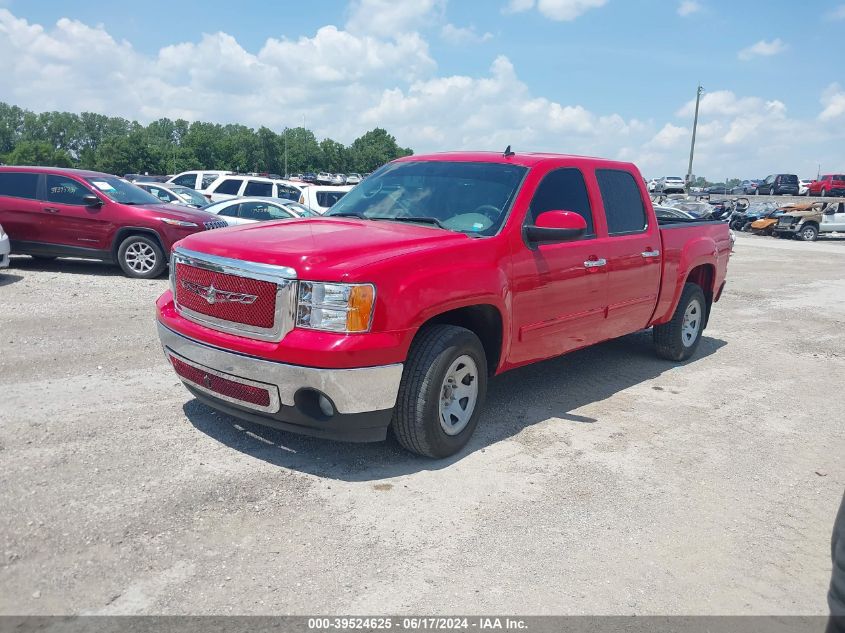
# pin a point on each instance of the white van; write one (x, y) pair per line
(321, 199)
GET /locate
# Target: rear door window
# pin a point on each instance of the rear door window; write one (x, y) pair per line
(18, 185)
(623, 204)
(186, 180)
(206, 181)
(231, 211)
(288, 193)
(562, 190)
(329, 198)
(64, 190)
(258, 188)
(230, 186)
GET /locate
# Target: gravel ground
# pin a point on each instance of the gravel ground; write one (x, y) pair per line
(603, 482)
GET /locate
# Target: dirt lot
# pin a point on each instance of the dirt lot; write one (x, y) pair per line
(606, 481)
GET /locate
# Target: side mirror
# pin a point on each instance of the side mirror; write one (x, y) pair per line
(555, 226)
(91, 200)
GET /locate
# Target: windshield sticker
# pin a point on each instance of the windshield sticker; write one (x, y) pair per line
(102, 185)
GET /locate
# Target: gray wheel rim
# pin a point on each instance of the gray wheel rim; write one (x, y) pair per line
(808, 233)
(458, 395)
(692, 323)
(140, 257)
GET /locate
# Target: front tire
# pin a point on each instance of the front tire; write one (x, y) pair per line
(678, 339)
(809, 233)
(141, 257)
(443, 387)
(823, 193)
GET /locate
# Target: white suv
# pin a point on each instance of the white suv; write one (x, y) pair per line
(200, 179)
(252, 186)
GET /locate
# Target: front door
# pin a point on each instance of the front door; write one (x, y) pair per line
(76, 225)
(833, 218)
(559, 290)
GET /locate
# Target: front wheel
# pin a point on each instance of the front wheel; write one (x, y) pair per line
(809, 233)
(443, 387)
(141, 257)
(823, 193)
(679, 338)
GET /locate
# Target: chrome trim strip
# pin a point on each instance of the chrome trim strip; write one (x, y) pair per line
(273, 390)
(650, 253)
(282, 276)
(355, 390)
(228, 266)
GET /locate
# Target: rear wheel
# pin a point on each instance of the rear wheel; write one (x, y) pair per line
(140, 257)
(443, 386)
(679, 338)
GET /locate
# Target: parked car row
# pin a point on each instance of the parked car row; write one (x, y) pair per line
(773, 185)
(804, 221)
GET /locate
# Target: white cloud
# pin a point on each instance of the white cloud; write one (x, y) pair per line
(560, 10)
(833, 100)
(386, 18)
(357, 79)
(762, 49)
(463, 35)
(688, 7)
(838, 13)
(518, 6)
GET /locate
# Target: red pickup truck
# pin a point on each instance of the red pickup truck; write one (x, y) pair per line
(431, 276)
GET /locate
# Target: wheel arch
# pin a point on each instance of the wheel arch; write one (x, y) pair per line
(128, 231)
(484, 320)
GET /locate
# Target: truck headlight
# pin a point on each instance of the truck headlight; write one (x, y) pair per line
(335, 307)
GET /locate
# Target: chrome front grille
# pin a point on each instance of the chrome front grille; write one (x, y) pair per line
(234, 296)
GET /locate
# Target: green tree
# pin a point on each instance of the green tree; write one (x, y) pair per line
(38, 153)
(335, 156)
(374, 149)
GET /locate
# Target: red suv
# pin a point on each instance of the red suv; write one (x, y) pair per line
(51, 212)
(828, 185)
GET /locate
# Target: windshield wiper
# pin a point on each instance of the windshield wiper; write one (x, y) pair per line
(346, 214)
(415, 218)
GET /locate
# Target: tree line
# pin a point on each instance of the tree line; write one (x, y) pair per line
(119, 146)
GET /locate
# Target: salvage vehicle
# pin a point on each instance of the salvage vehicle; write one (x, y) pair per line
(766, 224)
(52, 212)
(741, 219)
(807, 224)
(436, 273)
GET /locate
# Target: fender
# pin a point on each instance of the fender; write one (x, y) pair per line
(125, 231)
(699, 251)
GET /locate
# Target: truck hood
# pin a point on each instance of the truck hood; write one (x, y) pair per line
(322, 249)
(802, 213)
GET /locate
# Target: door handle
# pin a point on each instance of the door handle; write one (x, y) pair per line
(51, 209)
(651, 253)
(595, 263)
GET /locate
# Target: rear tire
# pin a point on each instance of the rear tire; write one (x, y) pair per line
(141, 257)
(678, 339)
(423, 421)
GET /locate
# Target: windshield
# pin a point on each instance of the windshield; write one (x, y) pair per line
(190, 195)
(461, 196)
(120, 191)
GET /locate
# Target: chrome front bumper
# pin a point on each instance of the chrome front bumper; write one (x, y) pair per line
(352, 391)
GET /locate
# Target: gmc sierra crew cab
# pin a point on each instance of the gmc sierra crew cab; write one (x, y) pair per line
(434, 274)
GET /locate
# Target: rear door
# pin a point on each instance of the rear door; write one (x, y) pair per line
(633, 253)
(560, 289)
(20, 210)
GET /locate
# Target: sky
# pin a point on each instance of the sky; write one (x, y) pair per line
(609, 78)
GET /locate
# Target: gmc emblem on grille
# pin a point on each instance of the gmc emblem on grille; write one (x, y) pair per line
(213, 295)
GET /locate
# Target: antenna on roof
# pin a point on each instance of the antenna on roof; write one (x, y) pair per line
(508, 153)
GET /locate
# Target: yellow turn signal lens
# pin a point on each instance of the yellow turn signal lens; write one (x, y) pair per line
(361, 301)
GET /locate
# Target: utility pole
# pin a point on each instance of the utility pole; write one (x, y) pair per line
(286, 152)
(694, 127)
